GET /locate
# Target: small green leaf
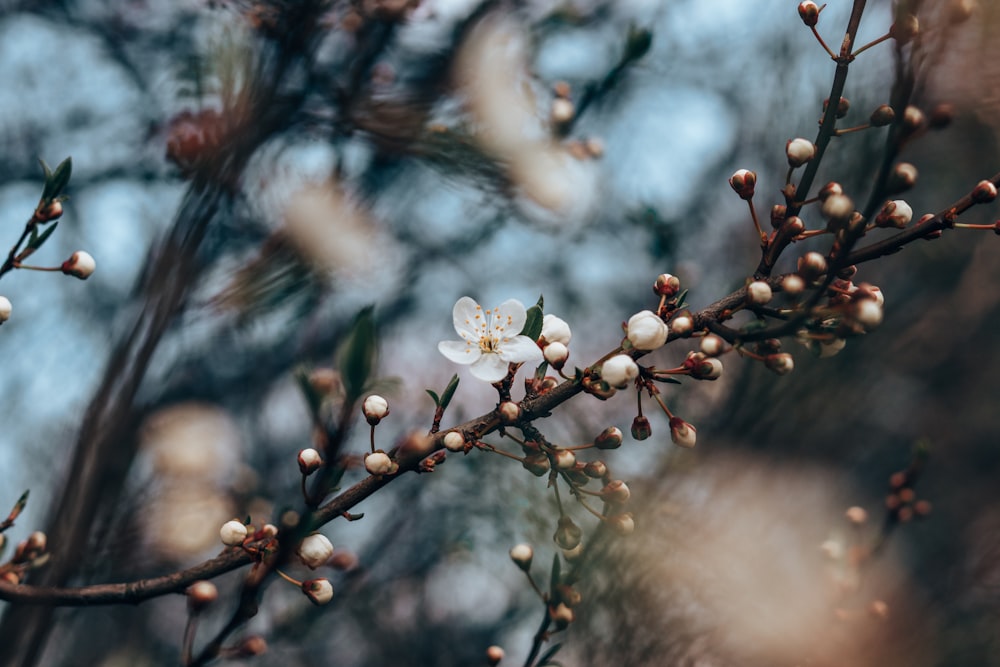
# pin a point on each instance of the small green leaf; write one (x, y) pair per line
(548, 655)
(681, 298)
(433, 395)
(357, 354)
(533, 324)
(449, 392)
(38, 239)
(48, 179)
(639, 41)
(21, 503)
(556, 572)
(668, 380)
(60, 178)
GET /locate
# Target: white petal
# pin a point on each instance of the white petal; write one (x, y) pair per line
(464, 318)
(490, 367)
(520, 349)
(513, 309)
(459, 351)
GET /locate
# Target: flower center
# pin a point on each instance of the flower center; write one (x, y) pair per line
(490, 328)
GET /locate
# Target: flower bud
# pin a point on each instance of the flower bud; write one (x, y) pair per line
(522, 554)
(556, 354)
(343, 560)
(667, 285)
(856, 515)
(51, 212)
(324, 381)
(561, 616)
(701, 367)
(615, 491)
(759, 293)
(793, 284)
(984, 192)
(201, 594)
(829, 348)
(619, 370)
(641, 428)
(903, 177)
(510, 412)
(379, 463)
(564, 459)
(375, 408)
(811, 265)
(879, 609)
(315, 550)
(454, 441)
(799, 151)
(647, 331)
(319, 591)
(554, 330)
(905, 29)
(494, 655)
(960, 10)
(568, 534)
(781, 363)
(896, 213)
(595, 469)
(883, 115)
(809, 13)
(309, 461)
(712, 345)
(868, 313)
(5, 309)
(233, 533)
(37, 542)
(941, 116)
(251, 646)
(743, 182)
(623, 524)
(537, 464)
(80, 265)
(562, 111)
(609, 438)
(682, 325)
(837, 207)
(682, 433)
(573, 554)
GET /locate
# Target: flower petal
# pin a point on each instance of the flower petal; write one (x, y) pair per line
(520, 349)
(489, 367)
(464, 318)
(511, 316)
(459, 351)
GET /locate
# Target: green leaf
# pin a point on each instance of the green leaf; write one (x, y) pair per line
(38, 239)
(533, 324)
(21, 503)
(639, 41)
(449, 392)
(433, 395)
(357, 354)
(681, 298)
(556, 572)
(668, 380)
(48, 178)
(60, 178)
(548, 655)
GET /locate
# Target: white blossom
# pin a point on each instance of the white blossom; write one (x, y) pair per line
(646, 331)
(619, 370)
(491, 339)
(315, 550)
(555, 330)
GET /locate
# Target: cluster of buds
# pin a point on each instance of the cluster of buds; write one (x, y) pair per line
(29, 554)
(902, 502)
(554, 341)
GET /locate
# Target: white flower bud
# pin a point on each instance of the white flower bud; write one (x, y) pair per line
(494, 655)
(233, 533)
(309, 461)
(5, 309)
(522, 554)
(837, 207)
(200, 594)
(315, 550)
(556, 354)
(454, 441)
(646, 331)
(375, 408)
(510, 412)
(574, 553)
(896, 213)
(856, 515)
(619, 370)
(743, 182)
(666, 285)
(712, 345)
(565, 459)
(616, 491)
(682, 325)
(799, 151)
(828, 348)
(868, 313)
(682, 433)
(80, 265)
(319, 591)
(759, 292)
(623, 524)
(379, 463)
(793, 284)
(561, 615)
(554, 330)
(562, 111)
(781, 363)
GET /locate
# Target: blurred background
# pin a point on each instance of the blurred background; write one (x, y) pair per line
(248, 175)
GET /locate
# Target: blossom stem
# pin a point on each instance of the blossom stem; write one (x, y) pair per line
(822, 43)
(871, 44)
(288, 578)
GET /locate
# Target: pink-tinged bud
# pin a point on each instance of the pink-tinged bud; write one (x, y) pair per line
(562, 111)
(522, 554)
(454, 441)
(856, 515)
(667, 285)
(793, 284)
(615, 491)
(379, 463)
(812, 265)
(567, 594)
(896, 213)
(842, 107)
(343, 560)
(809, 13)
(319, 591)
(743, 182)
(941, 116)
(903, 177)
(309, 461)
(922, 508)
(781, 363)
(647, 331)
(799, 151)
(701, 367)
(609, 438)
(623, 524)
(778, 214)
(868, 313)
(641, 429)
(324, 380)
(315, 550)
(595, 469)
(879, 609)
(556, 354)
(375, 408)
(5, 309)
(494, 655)
(883, 115)
(759, 293)
(619, 370)
(51, 212)
(80, 265)
(682, 433)
(564, 459)
(562, 89)
(266, 532)
(233, 533)
(905, 29)
(561, 616)
(682, 325)
(537, 464)
(984, 192)
(830, 189)
(568, 534)
(201, 594)
(252, 646)
(554, 330)
(837, 207)
(510, 412)
(712, 345)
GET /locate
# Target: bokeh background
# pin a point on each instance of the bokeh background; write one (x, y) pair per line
(404, 154)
